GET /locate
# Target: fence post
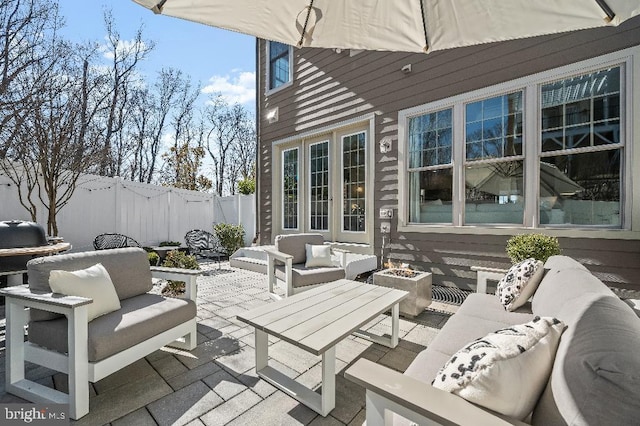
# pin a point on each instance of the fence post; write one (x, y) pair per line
(117, 203)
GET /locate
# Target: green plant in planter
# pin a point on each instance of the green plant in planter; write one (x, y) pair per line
(178, 259)
(153, 258)
(537, 246)
(231, 237)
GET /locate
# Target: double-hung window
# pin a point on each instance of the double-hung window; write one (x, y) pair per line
(494, 160)
(279, 71)
(431, 167)
(543, 152)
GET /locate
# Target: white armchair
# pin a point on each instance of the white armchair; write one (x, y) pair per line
(286, 262)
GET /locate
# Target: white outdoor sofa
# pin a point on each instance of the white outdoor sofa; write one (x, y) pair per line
(60, 338)
(595, 377)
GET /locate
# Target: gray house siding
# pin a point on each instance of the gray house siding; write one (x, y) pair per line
(330, 87)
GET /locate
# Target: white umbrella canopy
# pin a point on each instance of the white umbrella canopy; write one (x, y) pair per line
(397, 25)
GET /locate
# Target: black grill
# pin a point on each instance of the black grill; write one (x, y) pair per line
(19, 234)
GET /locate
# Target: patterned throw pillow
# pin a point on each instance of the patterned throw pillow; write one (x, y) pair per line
(519, 283)
(507, 370)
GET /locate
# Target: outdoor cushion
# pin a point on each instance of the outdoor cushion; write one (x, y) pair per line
(596, 375)
(318, 255)
(128, 268)
(561, 286)
(563, 262)
(93, 282)
(487, 306)
(294, 245)
(507, 369)
(303, 276)
(140, 318)
(519, 283)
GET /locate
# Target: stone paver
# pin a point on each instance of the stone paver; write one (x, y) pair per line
(216, 383)
(184, 405)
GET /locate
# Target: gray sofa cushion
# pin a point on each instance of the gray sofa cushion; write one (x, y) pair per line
(596, 373)
(303, 276)
(294, 245)
(558, 287)
(140, 318)
(563, 262)
(128, 268)
(488, 306)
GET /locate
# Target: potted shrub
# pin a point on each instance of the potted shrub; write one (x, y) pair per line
(417, 283)
(537, 246)
(178, 259)
(231, 237)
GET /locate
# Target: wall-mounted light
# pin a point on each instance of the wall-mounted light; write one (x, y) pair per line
(272, 115)
(385, 146)
(406, 69)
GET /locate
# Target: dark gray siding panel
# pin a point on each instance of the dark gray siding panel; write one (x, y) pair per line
(330, 87)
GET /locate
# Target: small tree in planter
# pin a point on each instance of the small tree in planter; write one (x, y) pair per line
(178, 259)
(538, 246)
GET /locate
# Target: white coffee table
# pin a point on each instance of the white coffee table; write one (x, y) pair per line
(316, 320)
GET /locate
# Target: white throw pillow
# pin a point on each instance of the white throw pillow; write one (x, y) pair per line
(93, 282)
(318, 255)
(519, 283)
(507, 370)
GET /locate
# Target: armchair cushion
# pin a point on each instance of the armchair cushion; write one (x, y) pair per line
(140, 318)
(318, 255)
(303, 276)
(294, 245)
(93, 282)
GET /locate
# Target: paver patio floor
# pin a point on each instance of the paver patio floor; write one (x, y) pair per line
(216, 383)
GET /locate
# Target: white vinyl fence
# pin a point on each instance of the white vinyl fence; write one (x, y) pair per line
(148, 213)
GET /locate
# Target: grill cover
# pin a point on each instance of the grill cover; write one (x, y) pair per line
(19, 234)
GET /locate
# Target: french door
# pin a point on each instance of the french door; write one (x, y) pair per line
(324, 187)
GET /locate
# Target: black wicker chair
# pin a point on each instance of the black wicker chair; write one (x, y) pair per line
(112, 241)
(203, 244)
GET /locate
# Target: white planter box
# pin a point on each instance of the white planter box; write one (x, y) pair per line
(419, 288)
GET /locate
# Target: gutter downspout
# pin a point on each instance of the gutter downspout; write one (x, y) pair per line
(258, 115)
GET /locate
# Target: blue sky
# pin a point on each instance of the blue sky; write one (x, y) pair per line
(222, 61)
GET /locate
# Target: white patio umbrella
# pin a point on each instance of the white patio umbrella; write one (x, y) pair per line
(397, 25)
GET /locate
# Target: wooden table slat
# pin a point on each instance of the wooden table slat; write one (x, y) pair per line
(316, 294)
(324, 338)
(316, 315)
(24, 251)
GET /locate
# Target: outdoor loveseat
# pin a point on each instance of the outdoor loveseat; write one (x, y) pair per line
(62, 336)
(594, 376)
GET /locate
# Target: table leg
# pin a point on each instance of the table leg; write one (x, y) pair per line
(390, 342)
(395, 324)
(262, 349)
(328, 381)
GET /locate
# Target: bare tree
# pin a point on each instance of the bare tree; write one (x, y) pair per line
(28, 30)
(125, 56)
(229, 127)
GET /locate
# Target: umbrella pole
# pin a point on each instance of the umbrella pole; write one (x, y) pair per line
(607, 10)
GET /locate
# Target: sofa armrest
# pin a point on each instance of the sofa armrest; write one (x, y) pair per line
(420, 402)
(177, 274)
(287, 259)
(51, 302)
(484, 274)
(343, 255)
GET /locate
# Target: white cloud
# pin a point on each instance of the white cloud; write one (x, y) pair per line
(123, 47)
(239, 87)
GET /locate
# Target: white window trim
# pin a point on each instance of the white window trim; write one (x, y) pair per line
(268, 91)
(281, 189)
(630, 97)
